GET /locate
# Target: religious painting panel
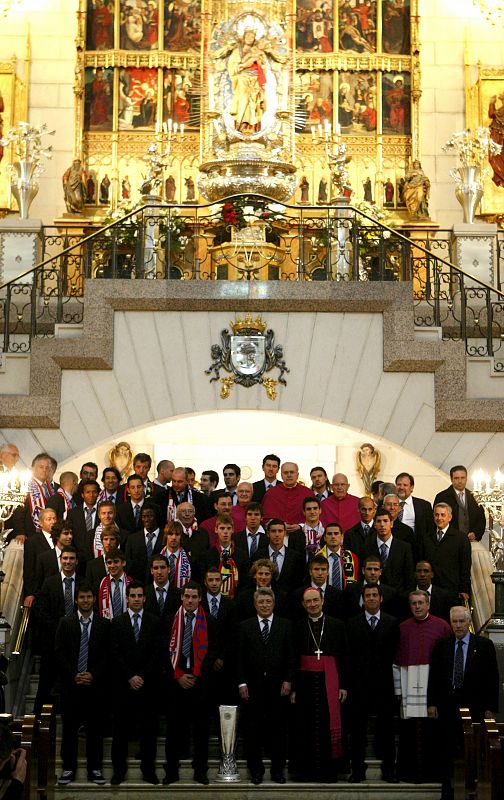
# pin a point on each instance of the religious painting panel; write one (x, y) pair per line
(357, 26)
(485, 107)
(314, 92)
(357, 102)
(6, 122)
(182, 25)
(98, 99)
(396, 103)
(100, 25)
(139, 22)
(314, 26)
(137, 98)
(182, 97)
(396, 26)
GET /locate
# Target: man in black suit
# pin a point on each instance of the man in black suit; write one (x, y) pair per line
(396, 556)
(254, 536)
(468, 517)
(62, 500)
(265, 667)
(415, 512)
(355, 537)
(371, 573)
(440, 600)
(209, 480)
(85, 520)
(56, 600)
(162, 598)
(230, 561)
(96, 569)
(25, 519)
(129, 513)
(34, 547)
(373, 639)
(192, 656)
(319, 579)
(181, 492)
(136, 651)
(449, 553)
(82, 658)
(321, 485)
(142, 545)
(223, 610)
(392, 504)
(463, 674)
(194, 539)
(289, 564)
(112, 489)
(270, 467)
(48, 563)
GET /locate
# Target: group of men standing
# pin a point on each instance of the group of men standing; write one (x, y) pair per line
(311, 608)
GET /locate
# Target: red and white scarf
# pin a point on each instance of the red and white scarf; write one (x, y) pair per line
(105, 596)
(199, 642)
(182, 567)
(37, 499)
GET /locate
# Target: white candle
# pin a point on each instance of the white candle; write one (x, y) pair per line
(182, 130)
(170, 123)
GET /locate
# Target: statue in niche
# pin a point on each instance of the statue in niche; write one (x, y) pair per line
(305, 189)
(125, 188)
(250, 70)
(322, 192)
(389, 193)
(368, 465)
(105, 190)
(75, 187)
(416, 191)
(368, 190)
(170, 188)
(190, 190)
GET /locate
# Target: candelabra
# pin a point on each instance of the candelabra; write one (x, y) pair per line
(13, 489)
(337, 158)
(157, 157)
(491, 497)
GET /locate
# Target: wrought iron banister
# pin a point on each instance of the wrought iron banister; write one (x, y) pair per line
(252, 238)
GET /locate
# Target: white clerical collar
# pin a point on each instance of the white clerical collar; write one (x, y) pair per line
(316, 619)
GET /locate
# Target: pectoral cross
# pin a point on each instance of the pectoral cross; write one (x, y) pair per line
(318, 653)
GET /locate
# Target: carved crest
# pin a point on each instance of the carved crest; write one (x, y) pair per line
(247, 352)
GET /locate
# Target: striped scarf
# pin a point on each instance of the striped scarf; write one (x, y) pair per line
(199, 642)
(182, 567)
(37, 500)
(105, 596)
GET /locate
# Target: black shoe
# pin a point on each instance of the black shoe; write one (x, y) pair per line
(256, 778)
(150, 777)
(201, 777)
(170, 777)
(356, 777)
(66, 777)
(116, 780)
(95, 776)
(278, 776)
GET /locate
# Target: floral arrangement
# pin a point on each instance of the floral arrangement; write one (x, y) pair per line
(233, 213)
(472, 148)
(28, 146)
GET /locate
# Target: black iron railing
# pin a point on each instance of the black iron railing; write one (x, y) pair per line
(253, 238)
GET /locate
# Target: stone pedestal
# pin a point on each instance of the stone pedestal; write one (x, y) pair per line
(475, 251)
(20, 247)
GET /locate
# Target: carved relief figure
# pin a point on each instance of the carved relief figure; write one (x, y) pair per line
(121, 457)
(368, 465)
(496, 114)
(416, 191)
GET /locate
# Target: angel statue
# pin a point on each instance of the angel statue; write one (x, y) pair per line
(368, 465)
(497, 548)
(121, 457)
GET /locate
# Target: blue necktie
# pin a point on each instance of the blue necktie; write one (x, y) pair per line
(69, 605)
(117, 599)
(84, 646)
(136, 627)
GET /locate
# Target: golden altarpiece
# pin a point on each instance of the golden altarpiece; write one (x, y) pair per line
(244, 95)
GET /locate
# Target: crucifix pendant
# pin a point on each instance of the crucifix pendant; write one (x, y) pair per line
(318, 653)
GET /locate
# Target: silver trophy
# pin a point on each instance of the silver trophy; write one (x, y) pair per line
(228, 769)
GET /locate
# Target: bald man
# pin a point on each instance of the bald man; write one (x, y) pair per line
(341, 506)
(285, 500)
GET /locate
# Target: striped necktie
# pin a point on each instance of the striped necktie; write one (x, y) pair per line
(265, 633)
(84, 646)
(69, 604)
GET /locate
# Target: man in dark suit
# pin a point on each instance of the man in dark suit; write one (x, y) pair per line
(195, 539)
(62, 500)
(319, 579)
(371, 573)
(401, 531)
(135, 644)
(254, 536)
(84, 519)
(161, 597)
(449, 553)
(129, 513)
(25, 519)
(192, 656)
(181, 492)
(142, 545)
(468, 517)
(289, 564)
(355, 537)
(34, 547)
(82, 656)
(396, 556)
(96, 568)
(112, 489)
(56, 600)
(48, 563)
(415, 512)
(463, 674)
(270, 467)
(373, 638)
(440, 600)
(265, 667)
(223, 610)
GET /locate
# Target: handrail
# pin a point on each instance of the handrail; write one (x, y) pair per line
(297, 208)
(21, 634)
